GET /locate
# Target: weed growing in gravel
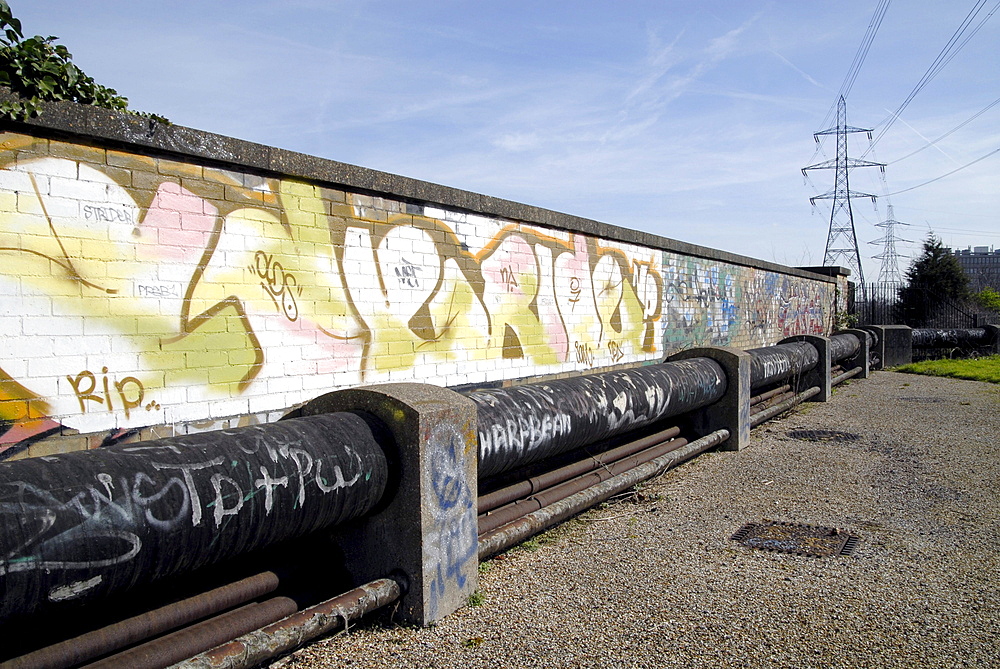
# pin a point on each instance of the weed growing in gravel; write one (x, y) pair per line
(476, 599)
(531, 545)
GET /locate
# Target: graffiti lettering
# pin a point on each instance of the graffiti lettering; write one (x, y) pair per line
(407, 274)
(584, 354)
(279, 284)
(112, 214)
(509, 278)
(157, 290)
(130, 392)
(615, 349)
(574, 290)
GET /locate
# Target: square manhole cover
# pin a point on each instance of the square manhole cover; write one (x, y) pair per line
(796, 538)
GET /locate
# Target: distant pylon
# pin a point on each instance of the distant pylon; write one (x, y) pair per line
(889, 273)
(842, 240)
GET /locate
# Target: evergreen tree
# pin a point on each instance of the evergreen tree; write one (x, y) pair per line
(934, 280)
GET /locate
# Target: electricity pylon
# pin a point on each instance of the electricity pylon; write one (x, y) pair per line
(842, 240)
(889, 273)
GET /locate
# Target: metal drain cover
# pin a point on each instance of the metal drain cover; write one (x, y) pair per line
(797, 538)
(823, 435)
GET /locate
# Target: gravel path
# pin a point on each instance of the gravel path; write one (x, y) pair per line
(656, 581)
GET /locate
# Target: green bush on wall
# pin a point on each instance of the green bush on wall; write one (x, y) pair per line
(39, 70)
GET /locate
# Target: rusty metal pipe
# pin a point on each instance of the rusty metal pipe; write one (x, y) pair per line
(764, 406)
(184, 643)
(763, 397)
(280, 637)
(771, 412)
(538, 521)
(846, 375)
(522, 507)
(138, 628)
(498, 498)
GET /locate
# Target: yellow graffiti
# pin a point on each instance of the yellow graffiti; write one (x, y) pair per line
(198, 284)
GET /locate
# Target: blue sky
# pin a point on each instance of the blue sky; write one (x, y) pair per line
(689, 120)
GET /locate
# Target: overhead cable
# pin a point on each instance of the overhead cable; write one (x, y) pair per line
(860, 55)
(947, 174)
(953, 130)
(958, 40)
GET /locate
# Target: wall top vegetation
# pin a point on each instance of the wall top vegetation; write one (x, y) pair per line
(94, 125)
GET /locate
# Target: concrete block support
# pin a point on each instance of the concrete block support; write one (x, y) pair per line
(818, 376)
(427, 530)
(994, 333)
(897, 344)
(732, 412)
(860, 359)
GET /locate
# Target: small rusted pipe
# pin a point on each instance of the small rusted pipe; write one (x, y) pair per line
(763, 397)
(124, 633)
(184, 643)
(538, 521)
(521, 507)
(498, 498)
(771, 412)
(846, 375)
(764, 406)
(264, 644)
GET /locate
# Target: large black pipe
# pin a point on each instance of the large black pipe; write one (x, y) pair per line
(78, 527)
(527, 423)
(771, 364)
(950, 338)
(843, 346)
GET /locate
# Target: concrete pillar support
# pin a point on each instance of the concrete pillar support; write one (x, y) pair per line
(860, 359)
(732, 412)
(994, 333)
(427, 530)
(819, 375)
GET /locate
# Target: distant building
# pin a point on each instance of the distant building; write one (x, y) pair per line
(981, 265)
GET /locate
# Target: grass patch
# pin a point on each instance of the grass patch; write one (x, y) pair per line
(476, 599)
(977, 369)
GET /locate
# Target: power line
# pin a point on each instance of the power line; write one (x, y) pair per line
(860, 55)
(906, 190)
(953, 130)
(958, 40)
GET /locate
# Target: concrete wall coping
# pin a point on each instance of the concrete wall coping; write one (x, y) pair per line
(104, 127)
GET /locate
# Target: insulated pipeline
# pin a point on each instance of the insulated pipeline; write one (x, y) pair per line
(843, 346)
(81, 526)
(528, 423)
(941, 338)
(777, 363)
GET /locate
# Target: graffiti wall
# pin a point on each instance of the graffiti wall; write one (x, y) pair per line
(145, 297)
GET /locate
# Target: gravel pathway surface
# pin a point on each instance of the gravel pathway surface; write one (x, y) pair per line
(654, 580)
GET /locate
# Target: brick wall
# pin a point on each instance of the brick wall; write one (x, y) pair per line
(147, 293)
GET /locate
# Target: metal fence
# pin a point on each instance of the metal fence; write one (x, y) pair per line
(883, 305)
